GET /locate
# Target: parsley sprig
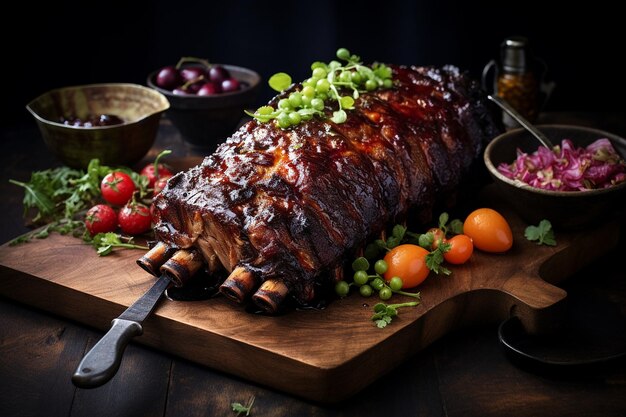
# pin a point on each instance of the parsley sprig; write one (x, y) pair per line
(384, 313)
(243, 409)
(542, 233)
(104, 243)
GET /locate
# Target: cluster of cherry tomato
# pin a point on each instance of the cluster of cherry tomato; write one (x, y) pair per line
(484, 229)
(407, 265)
(118, 190)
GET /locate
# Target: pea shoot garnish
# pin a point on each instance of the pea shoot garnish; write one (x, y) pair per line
(324, 88)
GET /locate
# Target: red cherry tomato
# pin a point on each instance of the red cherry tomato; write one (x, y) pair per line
(149, 172)
(438, 236)
(134, 218)
(461, 249)
(117, 188)
(160, 183)
(407, 262)
(100, 219)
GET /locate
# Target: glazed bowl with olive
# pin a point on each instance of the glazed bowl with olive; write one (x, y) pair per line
(116, 123)
(207, 100)
(579, 183)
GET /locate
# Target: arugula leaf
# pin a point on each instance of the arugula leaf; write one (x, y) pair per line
(35, 197)
(543, 233)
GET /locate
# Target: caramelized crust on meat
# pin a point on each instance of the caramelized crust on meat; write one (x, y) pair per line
(288, 205)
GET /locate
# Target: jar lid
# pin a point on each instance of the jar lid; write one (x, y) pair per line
(515, 54)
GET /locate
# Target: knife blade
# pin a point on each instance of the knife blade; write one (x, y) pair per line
(101, 363)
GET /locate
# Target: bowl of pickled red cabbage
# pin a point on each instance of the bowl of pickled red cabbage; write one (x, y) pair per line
(579, 183)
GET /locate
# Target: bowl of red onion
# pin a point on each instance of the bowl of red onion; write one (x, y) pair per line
(575, 185)
(207, 100)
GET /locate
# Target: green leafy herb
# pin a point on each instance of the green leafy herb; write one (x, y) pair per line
(360, 264)
(106, 242)
(333, 84)
(434, 260)
(57, 198)
(542, 234)
(243, 409)
(456, 227)
(385, 313)
(280, 81)
(63, 227)
(397, 235)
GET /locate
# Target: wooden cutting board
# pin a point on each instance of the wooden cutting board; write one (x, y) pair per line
(323, 355)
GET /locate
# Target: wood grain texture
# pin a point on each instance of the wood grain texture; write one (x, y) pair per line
(307, 349)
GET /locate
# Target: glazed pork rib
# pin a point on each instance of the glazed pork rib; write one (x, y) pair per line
(281, 209)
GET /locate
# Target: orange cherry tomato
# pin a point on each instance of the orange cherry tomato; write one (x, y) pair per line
(489, 231)
(461, 249)
(407, 262)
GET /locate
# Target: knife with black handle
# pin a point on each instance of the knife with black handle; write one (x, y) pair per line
(101, 363)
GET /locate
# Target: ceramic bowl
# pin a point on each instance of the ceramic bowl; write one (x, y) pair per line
(566, 210)
(206, 121)
(139, 107)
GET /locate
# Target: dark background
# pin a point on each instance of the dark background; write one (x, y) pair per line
(72, 43)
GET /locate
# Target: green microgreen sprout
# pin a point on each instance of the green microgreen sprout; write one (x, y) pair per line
(330, 83)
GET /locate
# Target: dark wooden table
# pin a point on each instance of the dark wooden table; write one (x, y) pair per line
(466, 373)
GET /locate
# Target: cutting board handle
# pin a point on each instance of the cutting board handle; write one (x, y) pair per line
(103, 360)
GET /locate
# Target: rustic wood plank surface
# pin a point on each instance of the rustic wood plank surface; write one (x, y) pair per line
(465, 373)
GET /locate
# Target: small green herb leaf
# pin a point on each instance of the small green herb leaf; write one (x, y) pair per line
(434, 260)
(339, 116)
(542, 234)
(443, 220)
(280, 81)
(360, 264)
(398, 231)
(456, 227)
(393, 241)
(243, 409)
(347, 102)
(384, 313)
(106, 242)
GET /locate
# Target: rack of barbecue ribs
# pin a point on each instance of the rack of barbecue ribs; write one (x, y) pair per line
(280, 210)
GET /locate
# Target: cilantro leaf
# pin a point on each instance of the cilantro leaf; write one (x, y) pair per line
(104, 243)
(398, 231)
(542, 233)
(243, 409)
(384, 313)
(434, 260)
(456, 227)
(443, 220)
